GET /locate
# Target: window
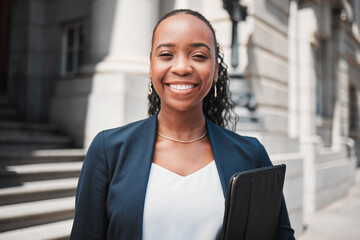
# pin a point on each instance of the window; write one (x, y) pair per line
(353, 110)
(72, 49)
(320, 70)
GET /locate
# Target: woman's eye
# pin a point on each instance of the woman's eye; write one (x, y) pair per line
(200, 56)
(165, 54)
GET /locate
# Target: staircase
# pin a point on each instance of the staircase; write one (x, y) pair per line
(38, 179)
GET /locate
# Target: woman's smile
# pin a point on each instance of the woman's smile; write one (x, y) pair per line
(182, 87)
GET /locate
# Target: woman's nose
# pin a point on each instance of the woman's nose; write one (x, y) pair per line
(181, 66)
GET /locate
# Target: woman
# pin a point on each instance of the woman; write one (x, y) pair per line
(166, 177)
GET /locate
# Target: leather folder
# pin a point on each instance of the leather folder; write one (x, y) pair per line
(253, 204)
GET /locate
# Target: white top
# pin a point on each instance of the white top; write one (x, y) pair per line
(183, 208)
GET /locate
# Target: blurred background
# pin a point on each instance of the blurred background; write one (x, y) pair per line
(69, 69)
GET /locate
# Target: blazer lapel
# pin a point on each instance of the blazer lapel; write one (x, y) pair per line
(228, 156)
(218, 152)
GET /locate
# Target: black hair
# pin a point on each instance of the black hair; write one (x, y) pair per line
(218, 110)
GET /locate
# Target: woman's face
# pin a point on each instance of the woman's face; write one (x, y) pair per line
(183, 62)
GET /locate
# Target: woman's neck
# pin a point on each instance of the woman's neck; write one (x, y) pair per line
(181, 125)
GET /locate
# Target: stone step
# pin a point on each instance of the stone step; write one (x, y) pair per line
(23, 215)
(27, 125)
(33, 142)
(39, 171)
(275, 143)
(51, 231)
(17, 157)
(13, 128)
(38, 190)
(330, 155)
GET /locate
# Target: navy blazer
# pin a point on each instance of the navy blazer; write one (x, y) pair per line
(112, 185)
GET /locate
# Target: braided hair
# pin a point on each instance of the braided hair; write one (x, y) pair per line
(220, 109)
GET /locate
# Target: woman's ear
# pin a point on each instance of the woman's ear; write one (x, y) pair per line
(150, 72)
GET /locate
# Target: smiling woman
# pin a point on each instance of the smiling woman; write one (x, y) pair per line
(217, 105)
(183, 69)
(165, 177)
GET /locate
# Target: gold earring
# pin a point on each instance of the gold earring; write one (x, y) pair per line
(215, 90)
(150, 88)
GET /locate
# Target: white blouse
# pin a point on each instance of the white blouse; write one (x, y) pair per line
(179, 208)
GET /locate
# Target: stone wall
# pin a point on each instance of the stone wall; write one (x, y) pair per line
(35, 48)
(323, 51)
(111, 89)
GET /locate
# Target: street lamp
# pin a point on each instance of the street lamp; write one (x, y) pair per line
(237, 13)
(244, 99)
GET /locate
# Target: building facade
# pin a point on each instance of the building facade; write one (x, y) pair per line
(83, 65)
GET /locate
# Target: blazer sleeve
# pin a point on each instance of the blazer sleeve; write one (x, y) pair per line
(284, 232)
(90, 220)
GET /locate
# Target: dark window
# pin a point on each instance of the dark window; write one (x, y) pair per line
(72, 48)
(353, 109)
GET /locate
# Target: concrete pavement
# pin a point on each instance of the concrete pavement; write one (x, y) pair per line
(338, 221)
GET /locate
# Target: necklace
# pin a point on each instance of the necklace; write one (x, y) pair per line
(181, 141)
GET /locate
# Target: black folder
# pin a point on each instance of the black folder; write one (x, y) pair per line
(253, 204)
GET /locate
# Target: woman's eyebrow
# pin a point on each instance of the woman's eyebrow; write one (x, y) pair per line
(200, 45)
(165, 45)
(191, 45)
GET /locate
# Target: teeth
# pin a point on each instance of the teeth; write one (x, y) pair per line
(181, 87)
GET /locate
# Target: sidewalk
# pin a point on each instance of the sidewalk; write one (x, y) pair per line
(338, 221)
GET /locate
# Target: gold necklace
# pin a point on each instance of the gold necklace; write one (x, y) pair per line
(181, 141)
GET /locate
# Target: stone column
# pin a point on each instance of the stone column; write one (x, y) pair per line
(27, 87)
(120, 78)
(357, 17)
(307, 103)
(293, 129)
(121, 30)
(181, 4)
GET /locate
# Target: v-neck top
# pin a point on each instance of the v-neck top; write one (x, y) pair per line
(183, 207)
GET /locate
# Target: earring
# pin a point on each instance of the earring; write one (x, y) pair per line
(215, 90)
(150, 88)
